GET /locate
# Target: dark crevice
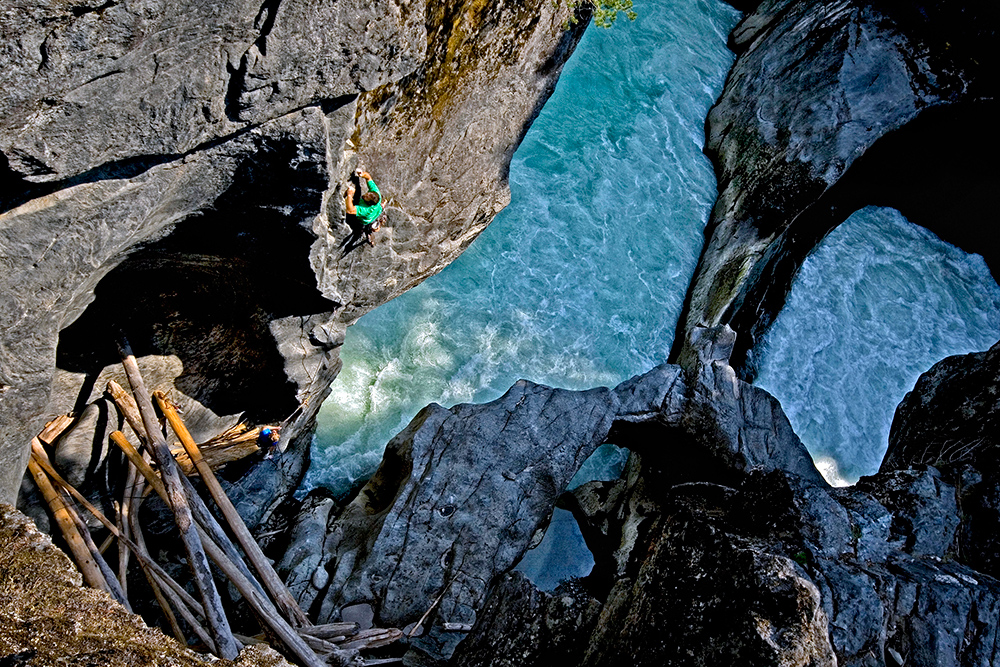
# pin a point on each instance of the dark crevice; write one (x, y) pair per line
(236, 88)
(101, 76)
(84, 9)
(43, 51)
(209, 291)
(12, 186)
(264, 22)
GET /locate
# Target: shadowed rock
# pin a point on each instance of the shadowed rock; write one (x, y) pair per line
(524, 627)
(830, 107)
(951, 420)
(782, 572)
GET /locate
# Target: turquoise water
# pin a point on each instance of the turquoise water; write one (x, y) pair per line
(576, 284)
(878, 303)
(579, 283)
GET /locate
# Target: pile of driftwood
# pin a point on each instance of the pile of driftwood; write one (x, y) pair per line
(154, 467)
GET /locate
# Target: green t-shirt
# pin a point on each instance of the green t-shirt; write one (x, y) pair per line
(369, 212)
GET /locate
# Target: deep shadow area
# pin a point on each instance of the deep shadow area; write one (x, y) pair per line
(209, 291)
(930, 170)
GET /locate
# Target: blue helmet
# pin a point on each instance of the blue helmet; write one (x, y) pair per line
(266, 430)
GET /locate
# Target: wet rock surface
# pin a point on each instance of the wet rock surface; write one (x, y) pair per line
(830, 107)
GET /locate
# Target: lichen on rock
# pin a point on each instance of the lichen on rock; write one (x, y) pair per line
(47, 617)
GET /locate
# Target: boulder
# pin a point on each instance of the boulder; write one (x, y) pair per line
(718, 426)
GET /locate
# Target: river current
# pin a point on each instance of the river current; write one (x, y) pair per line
(580, 281)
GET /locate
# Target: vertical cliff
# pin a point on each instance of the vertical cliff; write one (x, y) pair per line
(176, 172)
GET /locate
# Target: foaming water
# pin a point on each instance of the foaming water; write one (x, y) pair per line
(879, 302)
(580, 281)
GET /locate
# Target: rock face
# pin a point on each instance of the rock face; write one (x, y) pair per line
(782, 572)
(462, 493)
(951, 419)
(176, 171)
(952, 416)
(829, 107)
(48, 618)
(720, 544)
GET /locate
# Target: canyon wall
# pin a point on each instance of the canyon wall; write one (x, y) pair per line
(175, 172)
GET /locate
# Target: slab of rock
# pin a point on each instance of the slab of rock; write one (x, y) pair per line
(302, 566)
(831, 106)
(91, 87)
(457, 499)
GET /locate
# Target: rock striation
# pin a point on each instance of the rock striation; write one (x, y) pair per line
(829, 107)
(175, 171)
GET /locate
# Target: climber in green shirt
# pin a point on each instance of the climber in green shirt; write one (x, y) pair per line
(370, 208)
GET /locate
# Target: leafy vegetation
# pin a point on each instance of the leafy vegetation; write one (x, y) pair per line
(605, 12)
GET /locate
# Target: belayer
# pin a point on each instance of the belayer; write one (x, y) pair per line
(370, 207)
(268, 439)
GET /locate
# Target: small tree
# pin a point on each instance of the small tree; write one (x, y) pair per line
(605, 12)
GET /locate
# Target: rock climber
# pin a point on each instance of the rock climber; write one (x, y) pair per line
(370, 208)
(268, 438)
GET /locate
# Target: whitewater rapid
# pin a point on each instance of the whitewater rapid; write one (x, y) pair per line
(580, 281)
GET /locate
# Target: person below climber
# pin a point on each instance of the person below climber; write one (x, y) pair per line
(370, 208)
(269, 438)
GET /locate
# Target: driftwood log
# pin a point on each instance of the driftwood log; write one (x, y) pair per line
(218, 623)
(282, 597)
(78, 548)
(245, 584)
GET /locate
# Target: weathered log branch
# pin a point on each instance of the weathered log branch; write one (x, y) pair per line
(215, 615)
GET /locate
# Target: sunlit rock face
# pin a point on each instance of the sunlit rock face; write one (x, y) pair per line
(176, 173)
